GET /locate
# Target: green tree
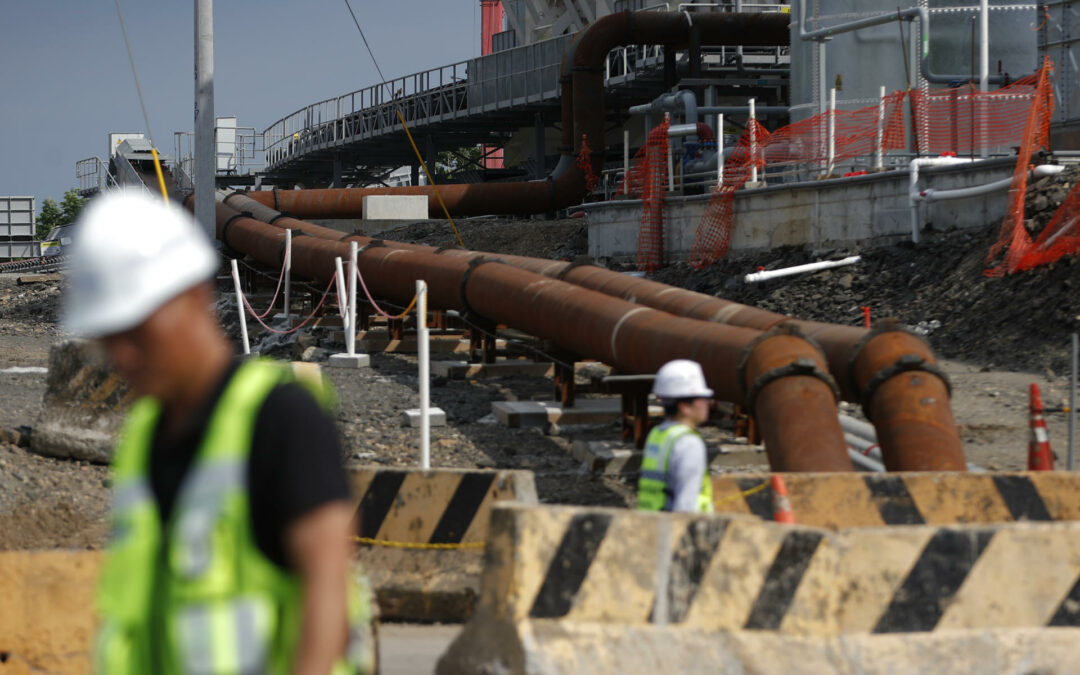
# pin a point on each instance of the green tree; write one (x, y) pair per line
(51, 216)
(56, 215)
(450, 163)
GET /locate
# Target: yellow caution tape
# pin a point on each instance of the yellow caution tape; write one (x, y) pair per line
(741, 495)
(420, 546)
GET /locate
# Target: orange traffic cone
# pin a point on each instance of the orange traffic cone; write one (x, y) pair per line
(781, 505)
(1040, 457)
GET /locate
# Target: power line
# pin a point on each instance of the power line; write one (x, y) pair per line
(364, 38)
(131, 60)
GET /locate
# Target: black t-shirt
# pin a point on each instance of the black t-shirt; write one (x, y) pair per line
(294, 466)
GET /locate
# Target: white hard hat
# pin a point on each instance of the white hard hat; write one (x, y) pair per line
(681, 378)
(131, 254)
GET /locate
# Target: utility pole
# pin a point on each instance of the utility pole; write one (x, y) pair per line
(205, 150)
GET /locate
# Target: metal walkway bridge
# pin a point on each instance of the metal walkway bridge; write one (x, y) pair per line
(472, 102)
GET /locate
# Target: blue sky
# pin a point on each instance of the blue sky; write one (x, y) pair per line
(65, 82)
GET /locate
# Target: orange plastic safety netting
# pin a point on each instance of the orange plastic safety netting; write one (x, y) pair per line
(1014, 249)
(651, 175)
(856, 132)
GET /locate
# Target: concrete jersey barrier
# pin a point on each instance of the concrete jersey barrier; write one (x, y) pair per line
(422, 535)
(840, 500)
(562, 576)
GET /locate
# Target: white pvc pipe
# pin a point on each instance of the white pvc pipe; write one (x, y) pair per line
(799, 269)
(423, 357)
(350, 333)
(719, 151)
(932, 195)
(671, 168)
(288, 276)
(831, 165)
(240, 306)
(879, 141)
(858, 428)
(753, 142)
(861, 461)
(913, 185)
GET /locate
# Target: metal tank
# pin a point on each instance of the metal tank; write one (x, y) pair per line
(1059, 38)
(859, 63)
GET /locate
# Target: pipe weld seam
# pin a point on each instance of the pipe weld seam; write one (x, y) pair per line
(463, 288)
(618, 326)
(802, 366)
(905, 364)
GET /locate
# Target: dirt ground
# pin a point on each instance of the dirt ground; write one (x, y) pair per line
(998, 336)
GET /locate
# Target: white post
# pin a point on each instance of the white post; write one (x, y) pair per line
(719, 151)
(423, 356)
(984, 45)
(205, 146)
(240, 306)
(626, 155)
(350, 333)
(832, 132)
(753, 142)
(288, 276)
(342, 295)
(670, 167)
(879, 142)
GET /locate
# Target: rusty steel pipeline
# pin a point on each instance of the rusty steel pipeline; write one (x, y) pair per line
(630, 337)
(921, 441)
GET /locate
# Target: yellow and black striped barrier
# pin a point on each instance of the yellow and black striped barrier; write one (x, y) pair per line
(853, 600)
(421, 534)
(840, 500)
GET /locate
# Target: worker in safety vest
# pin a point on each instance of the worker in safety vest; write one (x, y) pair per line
(675, 470)
(230, 526)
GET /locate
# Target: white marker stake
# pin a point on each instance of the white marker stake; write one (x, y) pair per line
(288, 275)
(350, 334)
(422, 356)
(342, 295)
(240, 306)
(753, 141)
(719, 151)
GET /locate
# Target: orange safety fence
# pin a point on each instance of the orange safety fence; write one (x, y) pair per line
(651, 174)
(1014, 242)
(959, 120)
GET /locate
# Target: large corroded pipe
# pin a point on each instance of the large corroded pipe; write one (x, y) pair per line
(916, 429)
(630, 337)
(583, 115)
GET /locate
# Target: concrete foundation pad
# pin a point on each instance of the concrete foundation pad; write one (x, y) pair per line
(516, 414)
(607, 457)
(346, 361)
(436, 417)
(456, 370)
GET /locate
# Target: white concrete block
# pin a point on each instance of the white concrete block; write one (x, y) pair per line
(395, 207)
(346, 361)
(436, 417)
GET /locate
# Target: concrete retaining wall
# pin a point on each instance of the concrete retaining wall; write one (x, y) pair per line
(822, 214)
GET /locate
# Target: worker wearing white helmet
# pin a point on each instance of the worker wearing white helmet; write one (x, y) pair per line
(231, 514)
(674, 470)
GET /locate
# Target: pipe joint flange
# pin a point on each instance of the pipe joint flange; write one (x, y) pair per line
(571, 267)
(242, 193)
(905, 364)
(802, 366)
(374, 243)
(279, 216)
(277, 200)
(443, 249)
(879, 328)
(785, 328)
(228, 223)
(473, 264)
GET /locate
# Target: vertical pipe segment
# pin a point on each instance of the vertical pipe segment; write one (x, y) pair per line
(782, 371)
(906, 395)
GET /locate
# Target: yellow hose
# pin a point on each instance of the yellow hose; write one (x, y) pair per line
(429, 179)
(160, 175)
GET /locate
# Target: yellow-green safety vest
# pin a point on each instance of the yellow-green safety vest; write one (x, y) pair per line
(195, 594)
(653, 490)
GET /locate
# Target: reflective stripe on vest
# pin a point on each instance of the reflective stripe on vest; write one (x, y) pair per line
(653, 489)
(213, 603)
